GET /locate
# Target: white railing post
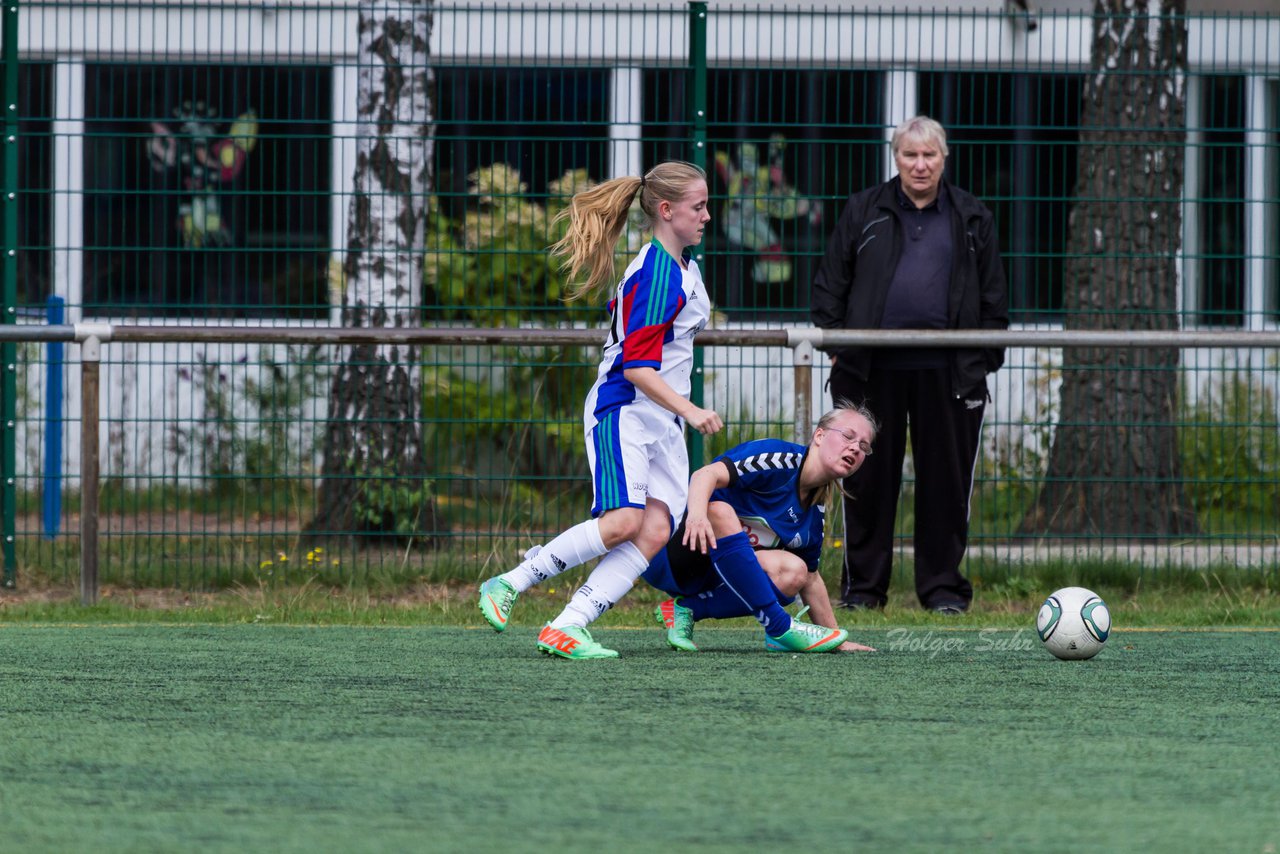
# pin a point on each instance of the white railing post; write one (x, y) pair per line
(802, 359)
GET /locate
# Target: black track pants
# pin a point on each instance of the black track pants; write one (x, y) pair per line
(945, 433)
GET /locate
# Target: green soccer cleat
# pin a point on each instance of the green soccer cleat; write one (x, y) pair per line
(497, 598)
(806, 637)
(678, 621)
(571, 642)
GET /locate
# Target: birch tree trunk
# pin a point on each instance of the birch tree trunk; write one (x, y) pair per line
(1113, 465)
(374, 472)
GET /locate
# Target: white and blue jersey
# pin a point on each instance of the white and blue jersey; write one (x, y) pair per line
(658, 308)
(635, 447)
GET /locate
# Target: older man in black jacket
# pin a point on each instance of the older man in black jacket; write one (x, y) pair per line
(915, 252)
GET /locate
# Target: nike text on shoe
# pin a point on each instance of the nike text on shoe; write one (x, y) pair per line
(678, 621)
(806, 637)
(497, 598)
(571, 642)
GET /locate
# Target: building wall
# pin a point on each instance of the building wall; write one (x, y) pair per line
(146, 395)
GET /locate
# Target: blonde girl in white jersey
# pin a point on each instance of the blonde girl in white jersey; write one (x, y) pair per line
(636, 411)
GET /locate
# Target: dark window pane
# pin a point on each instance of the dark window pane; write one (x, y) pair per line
(1221, 208)
(505, 139)
(35, 182)
(207, 190)
(1012, 140)
(542, 122)
(787, 147)
(1271, 244)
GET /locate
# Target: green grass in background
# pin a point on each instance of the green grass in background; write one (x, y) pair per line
(290, 738)
(1006, 596)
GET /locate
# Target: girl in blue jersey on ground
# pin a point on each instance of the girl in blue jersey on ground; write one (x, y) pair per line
(752, 537)
(636, 411)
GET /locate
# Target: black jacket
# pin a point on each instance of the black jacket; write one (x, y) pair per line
(853, 280)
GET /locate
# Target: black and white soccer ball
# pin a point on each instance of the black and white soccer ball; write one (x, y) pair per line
(1073, 623)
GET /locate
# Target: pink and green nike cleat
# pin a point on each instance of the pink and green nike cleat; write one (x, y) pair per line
(678, 621)
(571, 642)
(806, 637)
(497, 598)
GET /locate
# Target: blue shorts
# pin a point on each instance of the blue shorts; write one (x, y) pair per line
(679, 571)
(685, 581)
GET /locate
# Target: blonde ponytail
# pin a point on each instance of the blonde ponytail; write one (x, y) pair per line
(597, 216)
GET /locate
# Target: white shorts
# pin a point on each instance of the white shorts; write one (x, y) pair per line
(637, 452)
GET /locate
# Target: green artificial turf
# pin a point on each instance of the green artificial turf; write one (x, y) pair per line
(291, 738)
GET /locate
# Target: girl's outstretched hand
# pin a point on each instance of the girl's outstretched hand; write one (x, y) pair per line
(850, 646)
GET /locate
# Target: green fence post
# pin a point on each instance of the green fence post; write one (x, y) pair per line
(697, 117)
(9, 299)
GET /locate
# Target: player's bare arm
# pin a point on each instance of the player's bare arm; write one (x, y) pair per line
(699, 532)
(705, 421)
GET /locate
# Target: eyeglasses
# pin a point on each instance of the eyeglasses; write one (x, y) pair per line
(852, 440)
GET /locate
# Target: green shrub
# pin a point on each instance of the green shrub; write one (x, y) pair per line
(1230, 446)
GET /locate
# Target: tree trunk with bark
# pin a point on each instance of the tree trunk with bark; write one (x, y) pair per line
(374, 472)
(1113, 465)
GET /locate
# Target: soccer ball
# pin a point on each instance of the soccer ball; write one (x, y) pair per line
(1073, 623)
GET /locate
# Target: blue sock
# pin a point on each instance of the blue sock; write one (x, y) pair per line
(720, 603)
(736, 564)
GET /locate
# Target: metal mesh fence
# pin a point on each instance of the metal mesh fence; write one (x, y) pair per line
(217, 164)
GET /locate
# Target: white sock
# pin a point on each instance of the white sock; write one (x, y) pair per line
(574, 547)
(608, 582)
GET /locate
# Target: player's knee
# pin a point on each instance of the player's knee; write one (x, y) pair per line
(619, 526)
(788, 572)
(724, 519)
(652, 536)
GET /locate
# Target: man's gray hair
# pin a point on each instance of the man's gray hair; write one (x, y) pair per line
(920, 128)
